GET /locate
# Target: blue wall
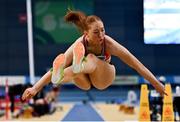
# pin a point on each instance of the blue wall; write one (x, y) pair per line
(123, 21)
(13, 38)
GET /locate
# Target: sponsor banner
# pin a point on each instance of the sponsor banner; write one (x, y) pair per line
(126, 80)
(12, 80)
(49, 20)
(164, 79)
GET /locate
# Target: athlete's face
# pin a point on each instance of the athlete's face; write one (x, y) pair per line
(96, 32)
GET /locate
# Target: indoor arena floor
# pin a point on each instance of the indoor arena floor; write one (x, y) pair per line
(84, 112)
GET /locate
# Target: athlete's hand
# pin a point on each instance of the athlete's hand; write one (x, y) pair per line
(29, 93)
(160, 88)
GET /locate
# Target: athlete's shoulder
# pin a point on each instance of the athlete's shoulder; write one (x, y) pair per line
(108, 37)
(109, 40)
(80, 39)
(112, 46)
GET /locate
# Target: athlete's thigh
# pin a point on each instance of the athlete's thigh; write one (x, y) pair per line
(103, 76)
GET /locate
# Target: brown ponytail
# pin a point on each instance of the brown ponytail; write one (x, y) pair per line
(78, 18)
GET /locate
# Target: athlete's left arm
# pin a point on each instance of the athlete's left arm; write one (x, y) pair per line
(121, 52)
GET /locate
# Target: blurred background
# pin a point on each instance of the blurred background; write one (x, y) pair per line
(139, 25)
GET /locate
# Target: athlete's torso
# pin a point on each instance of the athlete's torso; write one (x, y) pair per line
(104, 55)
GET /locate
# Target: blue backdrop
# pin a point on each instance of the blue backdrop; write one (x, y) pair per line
(123, 21)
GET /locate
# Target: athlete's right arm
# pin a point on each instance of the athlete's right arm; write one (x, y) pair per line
(32, 91)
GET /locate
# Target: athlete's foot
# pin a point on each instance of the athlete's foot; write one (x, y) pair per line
(78, 56)
(58, 69)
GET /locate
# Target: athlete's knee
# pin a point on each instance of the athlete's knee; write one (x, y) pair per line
(90, 64)
(91, 57)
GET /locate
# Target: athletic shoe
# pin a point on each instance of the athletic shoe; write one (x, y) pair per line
(78, 57)
(58, 69)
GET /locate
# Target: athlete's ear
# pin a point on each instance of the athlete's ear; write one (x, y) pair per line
(85, 32)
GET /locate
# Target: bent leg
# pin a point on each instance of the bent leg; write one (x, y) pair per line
(61, 75)
(101, 73)
(90, 64)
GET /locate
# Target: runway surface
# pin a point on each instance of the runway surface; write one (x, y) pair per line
(84, 112)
